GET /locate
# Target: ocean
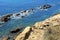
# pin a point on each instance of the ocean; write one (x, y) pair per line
(14, 6)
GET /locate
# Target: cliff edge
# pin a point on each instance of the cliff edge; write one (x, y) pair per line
(48, 29)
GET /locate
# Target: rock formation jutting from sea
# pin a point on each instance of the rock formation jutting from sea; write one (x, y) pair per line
(22, 14)
(48, 29)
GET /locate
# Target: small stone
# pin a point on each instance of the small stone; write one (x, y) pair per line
(22, 16)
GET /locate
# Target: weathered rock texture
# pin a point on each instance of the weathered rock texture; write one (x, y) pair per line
(5, 38)
(45, 30)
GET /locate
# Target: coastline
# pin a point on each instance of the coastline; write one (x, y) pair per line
(31, 30)
(42, 30)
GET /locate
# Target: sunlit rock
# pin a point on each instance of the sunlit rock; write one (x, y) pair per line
(48, 29)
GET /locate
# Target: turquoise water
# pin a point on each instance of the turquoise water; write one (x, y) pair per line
(38, 15)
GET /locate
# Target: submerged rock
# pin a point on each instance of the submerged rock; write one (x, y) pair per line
(16, 30)
(17, 14)
(27, 11)
(45, 30)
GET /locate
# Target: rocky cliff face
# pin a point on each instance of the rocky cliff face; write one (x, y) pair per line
(48, 29)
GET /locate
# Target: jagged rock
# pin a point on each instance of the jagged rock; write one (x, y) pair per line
(17, 14)
(27, 11)
(8, 15)
(6, 18)
(24, 35)
(46, 6)
(48, 29)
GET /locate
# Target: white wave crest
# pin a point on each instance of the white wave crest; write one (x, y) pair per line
(22, 13)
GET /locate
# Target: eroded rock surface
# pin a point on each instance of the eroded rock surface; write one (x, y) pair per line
(5, 38)
(48, 29)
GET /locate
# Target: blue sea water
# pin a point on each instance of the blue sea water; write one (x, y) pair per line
(14, 6)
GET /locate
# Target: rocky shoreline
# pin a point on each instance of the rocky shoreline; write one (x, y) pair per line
(18, 15)
(48, 29)
(15, 16)
(29, 33)
(22, 14)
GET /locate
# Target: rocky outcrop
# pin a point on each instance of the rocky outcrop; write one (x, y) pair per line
(24, 35)
(18, 15)
(48, 29)
(6, 18)
(46, 6)
(22, 13)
